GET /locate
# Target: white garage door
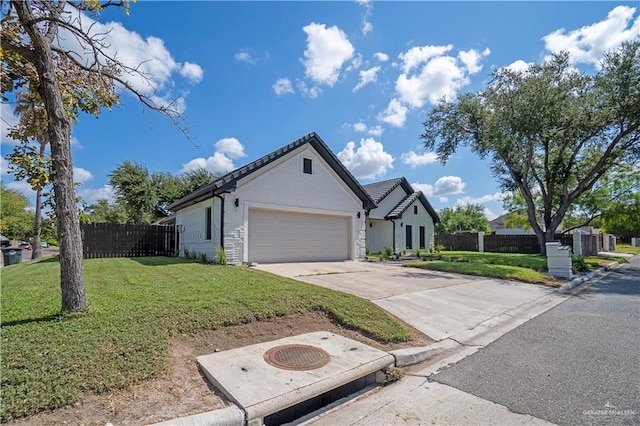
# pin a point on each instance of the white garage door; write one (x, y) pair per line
(277, 236)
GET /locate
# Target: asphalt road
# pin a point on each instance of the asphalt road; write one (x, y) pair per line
(578, 363)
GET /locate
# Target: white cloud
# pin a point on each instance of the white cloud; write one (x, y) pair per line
(444, 186)
(192, 72)
(395, 114)
(376, 131)
(244, 56)
(153, 63)
(93, 195)
(221, 161)
(356, 62)
(588, 43)
(217, 163)
(448, 185)
(309, 92)
(231, 147)
(22, 187)
(440, 77)
(9, 119)
(283, 87)
(463, 201)
(420, 54)
(367, 26)
(366, 77)
(471, 59)
(327, 50)
(81, 175)
(368, 161)
(382, 57)
(359, 127)
(4, 166)
(443, 199)
(518, 66)
(415, 160)
(427, 189)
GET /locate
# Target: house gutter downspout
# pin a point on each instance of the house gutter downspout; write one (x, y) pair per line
(394, 235)
(221, 220)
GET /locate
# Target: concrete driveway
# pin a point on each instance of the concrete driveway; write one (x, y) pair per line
(441, 305)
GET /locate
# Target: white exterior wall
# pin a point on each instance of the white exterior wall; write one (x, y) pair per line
(190, 222)
(283, 186)
(388, 203)
(416, 221)
(380, 235)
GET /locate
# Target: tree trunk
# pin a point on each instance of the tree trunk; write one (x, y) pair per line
(59, 130)
(37, 224)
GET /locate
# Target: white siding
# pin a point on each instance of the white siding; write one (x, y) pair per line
(283, 185)
(380, 235)
(388, 203)
(192, 222)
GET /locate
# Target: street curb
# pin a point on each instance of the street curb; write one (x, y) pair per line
(230, 416)
(580, 280)
(414, 355)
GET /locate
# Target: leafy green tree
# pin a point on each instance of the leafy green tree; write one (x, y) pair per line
(104, 212)
(196, 178)
(135, 191)
(468, 218)
(67, 84)
(551, 131)
(15, 220)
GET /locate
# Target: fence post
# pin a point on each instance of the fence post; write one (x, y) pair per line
(481, 242)
(577, 244)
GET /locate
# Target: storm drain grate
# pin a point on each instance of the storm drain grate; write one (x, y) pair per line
(297, 357)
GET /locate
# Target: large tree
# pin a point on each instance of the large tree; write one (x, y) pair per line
(468, 218)
(67, 81)
(15, 220)
(550, 131)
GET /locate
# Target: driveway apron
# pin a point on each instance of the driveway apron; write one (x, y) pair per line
(440, 305)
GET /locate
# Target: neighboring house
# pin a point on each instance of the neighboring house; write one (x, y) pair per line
(498, 226)
(403, 218)
(298, 203)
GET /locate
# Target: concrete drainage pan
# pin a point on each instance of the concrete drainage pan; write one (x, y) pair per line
(268, 377)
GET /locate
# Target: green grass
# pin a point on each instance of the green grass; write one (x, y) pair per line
(535, 262)
(508, 272)
(135, 307)
(627, 248)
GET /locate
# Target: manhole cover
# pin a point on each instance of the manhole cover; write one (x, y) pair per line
(297, 357)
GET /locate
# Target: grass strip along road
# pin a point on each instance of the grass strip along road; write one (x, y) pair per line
(135, 306)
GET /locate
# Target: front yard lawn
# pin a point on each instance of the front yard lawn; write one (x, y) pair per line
(50, 359)
(505, 271)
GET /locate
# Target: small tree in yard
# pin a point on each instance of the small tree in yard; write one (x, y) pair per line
(551, 132)
(66, 82)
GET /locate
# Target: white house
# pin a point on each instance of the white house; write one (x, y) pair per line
(298, 203)
(402, 219)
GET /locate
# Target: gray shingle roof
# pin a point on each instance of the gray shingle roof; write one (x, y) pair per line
(228, 182)
(379, 190)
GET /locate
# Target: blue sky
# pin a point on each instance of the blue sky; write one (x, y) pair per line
(254, 76)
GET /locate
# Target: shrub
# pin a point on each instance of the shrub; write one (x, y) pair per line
(367, 251)
(579, 264)
(221, 256)
(388, 252)
(418, 253)
(203, 257)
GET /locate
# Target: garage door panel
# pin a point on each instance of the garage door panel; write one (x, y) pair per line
(276, 236)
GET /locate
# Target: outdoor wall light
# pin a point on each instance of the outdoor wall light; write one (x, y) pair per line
(180, 228)
(358, 215)
(236, 202)
(401, 224)
(370, 224)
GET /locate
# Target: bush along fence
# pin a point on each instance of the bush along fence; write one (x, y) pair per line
(101, 240)
(585, 245)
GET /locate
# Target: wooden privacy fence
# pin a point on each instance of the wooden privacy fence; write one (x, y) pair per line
(113, 240)
(526, 244)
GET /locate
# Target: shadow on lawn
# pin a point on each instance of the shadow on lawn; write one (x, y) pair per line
(48, 318)
(160, 260)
